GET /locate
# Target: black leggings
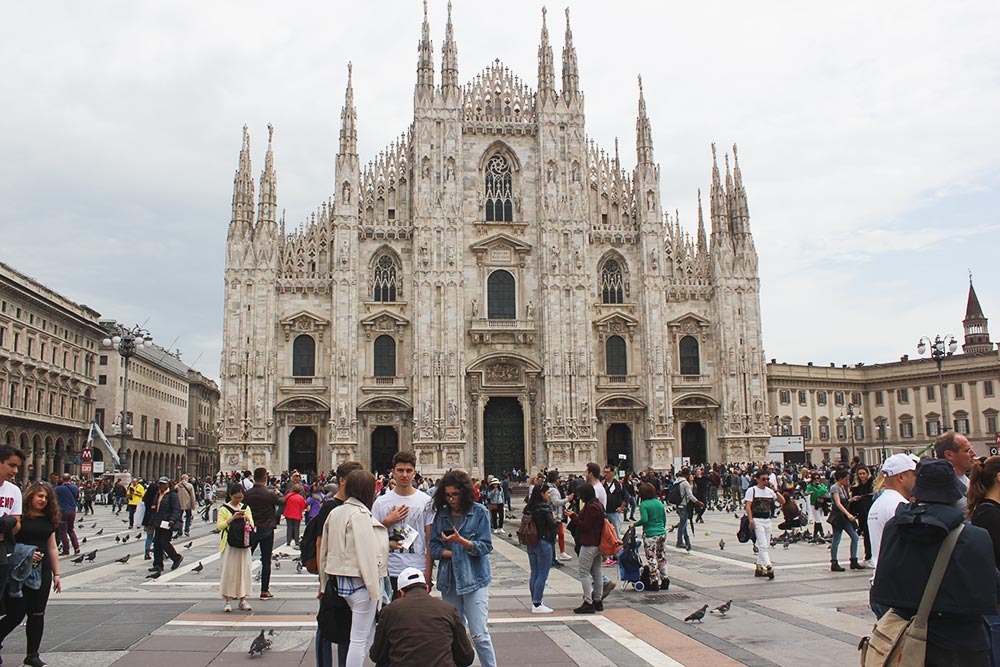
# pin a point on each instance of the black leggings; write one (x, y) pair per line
(31, 605)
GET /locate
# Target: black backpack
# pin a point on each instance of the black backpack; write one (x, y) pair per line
(307, 545)
(236, 533)
(674, 495)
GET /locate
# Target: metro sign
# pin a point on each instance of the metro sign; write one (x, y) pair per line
(87, 454)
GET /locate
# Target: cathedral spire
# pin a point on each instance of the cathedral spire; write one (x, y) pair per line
(268, 209)
(349, 118)
(717, 203)
(741, 215)
(546, 68)
(643, 132)
(449, 59)
(570, 72)
(425, 62)
(702, 242)
(243, 208)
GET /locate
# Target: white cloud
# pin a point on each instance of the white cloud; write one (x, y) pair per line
(854, 120)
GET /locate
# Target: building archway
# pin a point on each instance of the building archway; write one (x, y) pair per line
(619, 443)
(302, 450)
(385, 444)
(503, 436)
(845, 455)
(694, 442)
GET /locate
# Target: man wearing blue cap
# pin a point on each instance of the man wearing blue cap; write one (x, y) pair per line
(956, 633)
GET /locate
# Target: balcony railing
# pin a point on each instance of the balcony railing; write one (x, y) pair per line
(381, 383)
(617, 381)
(301, 383)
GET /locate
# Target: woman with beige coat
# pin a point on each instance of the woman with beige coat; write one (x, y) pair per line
(355, 549)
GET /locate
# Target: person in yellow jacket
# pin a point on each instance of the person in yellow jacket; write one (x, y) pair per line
(134, 493)
(235, 525)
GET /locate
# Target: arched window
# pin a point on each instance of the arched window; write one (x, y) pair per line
(690, 360)
(385, 357)
(616, 357)
(303, 356)
(384, 279)
(499, 191)
(612, 282)
(502, 304)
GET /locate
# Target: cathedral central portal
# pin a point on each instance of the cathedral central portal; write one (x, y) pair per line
(503, 436)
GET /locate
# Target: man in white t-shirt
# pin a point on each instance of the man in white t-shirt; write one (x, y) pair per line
(760, 501)
(899, 474)
(11, 459)
(401, 508)
(594, 479)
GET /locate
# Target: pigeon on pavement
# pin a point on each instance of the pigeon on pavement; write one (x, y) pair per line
(723, 608)
(188, 545)
(78, 560)
(100, 532)
(697, 616)
(722, 545)
(92, 555)
(125, 539)
(259, 645)
(94, 525)
(117, 538)
(83, 541)
(124, 559)
(198, 568)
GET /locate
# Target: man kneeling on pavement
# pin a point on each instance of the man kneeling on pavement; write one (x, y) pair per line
(418, 629)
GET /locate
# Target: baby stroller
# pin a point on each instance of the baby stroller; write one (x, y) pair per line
(631, 571)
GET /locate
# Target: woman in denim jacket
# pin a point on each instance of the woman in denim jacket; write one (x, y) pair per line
(461, 540)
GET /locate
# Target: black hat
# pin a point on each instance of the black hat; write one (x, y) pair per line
(937, 482)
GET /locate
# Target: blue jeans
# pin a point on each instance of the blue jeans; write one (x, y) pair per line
(324, 652)
(835, 542)
(683, 539)
(540, 559)
(632, 507)
(474, 608)
(188, 514)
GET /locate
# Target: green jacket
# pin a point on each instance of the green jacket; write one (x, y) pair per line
(652, 518)
(815, 491)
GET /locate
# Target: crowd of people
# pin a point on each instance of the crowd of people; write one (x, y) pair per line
(376, 541)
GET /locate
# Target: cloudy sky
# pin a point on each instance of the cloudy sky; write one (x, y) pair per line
(868, 136)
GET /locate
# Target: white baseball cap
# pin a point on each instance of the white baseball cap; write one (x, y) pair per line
(409, 577)
(898, 463)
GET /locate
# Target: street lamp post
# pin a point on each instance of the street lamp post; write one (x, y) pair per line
(184, 441)
(126, 341)
(883, 433)
(852, 419)
(939, 349)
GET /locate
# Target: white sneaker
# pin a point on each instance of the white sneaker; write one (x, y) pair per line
(564, 556)
(541, 609)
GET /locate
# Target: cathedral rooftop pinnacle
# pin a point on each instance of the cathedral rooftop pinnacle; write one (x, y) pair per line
(425, 60)
(349, 118)
(643, 131)
(243, 204)
(570, 71)
(449, 58)
(546, 68)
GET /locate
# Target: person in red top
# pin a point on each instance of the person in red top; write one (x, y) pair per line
(587, 527)
(295, 507)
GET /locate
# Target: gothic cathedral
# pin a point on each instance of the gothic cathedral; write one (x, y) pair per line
(493, 291)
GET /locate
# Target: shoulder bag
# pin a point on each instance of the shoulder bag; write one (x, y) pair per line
(900, 642)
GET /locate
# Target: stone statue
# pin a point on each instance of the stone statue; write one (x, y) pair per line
(452, 411)
(475, 307)
(529, 310)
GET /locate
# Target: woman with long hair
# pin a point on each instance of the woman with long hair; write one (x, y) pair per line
(984, 511)
(38, 529)
(353, 561)
(540, 556)
(842, 520)
(235, 524)
(587, 527)
(862, 497)
(461, 540)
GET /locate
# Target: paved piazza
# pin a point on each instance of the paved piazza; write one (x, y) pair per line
(109, 614)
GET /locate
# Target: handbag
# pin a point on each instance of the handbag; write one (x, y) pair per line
(900, 642)
(744, 534)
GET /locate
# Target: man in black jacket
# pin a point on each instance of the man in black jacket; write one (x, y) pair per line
(262, 502)
(165, 521)
(956, 634)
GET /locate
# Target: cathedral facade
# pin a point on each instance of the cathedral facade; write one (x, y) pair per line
(493, 291)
